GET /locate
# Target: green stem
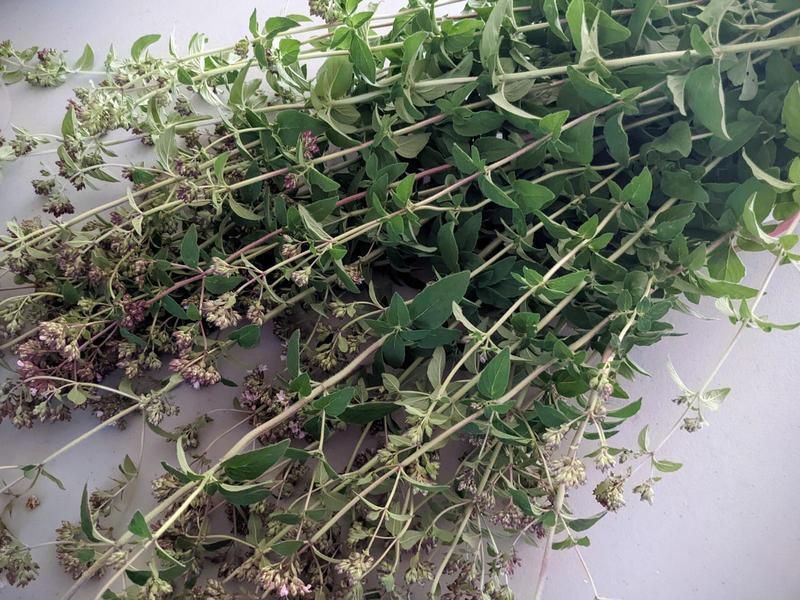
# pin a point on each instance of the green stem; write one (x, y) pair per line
(628, 61)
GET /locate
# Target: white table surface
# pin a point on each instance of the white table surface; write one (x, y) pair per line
(723, 527)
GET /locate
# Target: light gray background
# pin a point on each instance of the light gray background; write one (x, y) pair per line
(723, 527)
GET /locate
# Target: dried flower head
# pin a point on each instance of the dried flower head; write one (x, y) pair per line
(570, 471)
(610, 492)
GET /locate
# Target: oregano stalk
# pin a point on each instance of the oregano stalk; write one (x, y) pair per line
(461, 227)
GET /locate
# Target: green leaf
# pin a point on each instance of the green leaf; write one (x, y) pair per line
(591, 91)
(251, 465)
(581, 138)
(69, 124)
(639, 190)
(463, 161)
(751, 222)
(490, 36)
(584, 524)
(493, 380)
(677, 87)
(278, 24)
(471, 124)
(219, 284)
(190, 251)
(503, 103)
(236, 95)
(243, 495)
(724, 264)
(532, 196)
(726, 289)
(666, 466)
(394, 350)
(790, 114)
(408, 146)
(570, 385)
(87, 522)
(644, 439)
(553, 122)
(699, 43)
(576, 21)
(70, 293)
(448, 248)
(397, 314)
(588, 228)
(638, 21)
(334, 78)
(411, 49)
(323, 182)
(292, 123)
(76, 396)
(219, 166)
(404, 189)
(762, 175)
(173, 308)
(526, 323)
(253, 23)
(680, 184)
(522, 501)
(495, 193)
(435, 367)
(626, 411)
(166, 147)
(248, 336)
(549, 416)
(705, 97)
(311, 224)
(361, 414)
(432, 306)
(678, 138)
(138, 526)
(293, 355)
(567, 283)
(287, 547)
(363, 59)
(617, 140)
(335, 403)
(713, 13)
(609, 29)
(86, 60)
(142, 43)
(712, 399)
(240, 210)
(557, 230)
(301, 384)
(550, 9)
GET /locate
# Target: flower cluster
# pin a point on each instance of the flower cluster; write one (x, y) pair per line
(327, 10)
(610, 492)
(48, 70)
(156, 407)
(356, 566)
(310, 145)
(569, 471)
(646, 490)
(16, 563)
(100, 110)
(275, 580)
(221, 311)
(73, 549)
(195, 371)
(263, 401)
(156, 589)
(211, 589)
